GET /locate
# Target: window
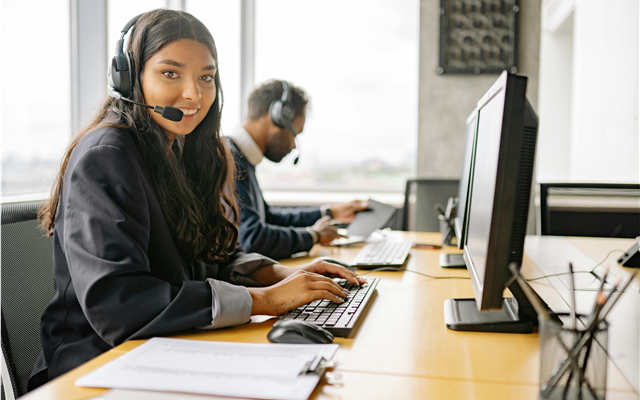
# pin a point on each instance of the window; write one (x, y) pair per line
(36, 97)
(358, 62)
(222, 18)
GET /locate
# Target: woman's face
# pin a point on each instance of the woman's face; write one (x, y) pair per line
(180, 75)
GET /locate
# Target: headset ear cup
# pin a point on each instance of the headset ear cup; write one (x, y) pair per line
(121, 74)
(275, 112)
(130, 74)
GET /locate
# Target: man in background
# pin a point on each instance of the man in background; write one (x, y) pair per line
(277, 113)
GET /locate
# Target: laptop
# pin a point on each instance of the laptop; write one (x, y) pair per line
(366, 222)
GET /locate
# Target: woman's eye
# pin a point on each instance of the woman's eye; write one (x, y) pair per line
(170, 74)
(207, 78)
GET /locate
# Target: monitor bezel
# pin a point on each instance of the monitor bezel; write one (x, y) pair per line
(470, 140)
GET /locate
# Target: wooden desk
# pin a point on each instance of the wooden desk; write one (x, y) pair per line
(402, 349)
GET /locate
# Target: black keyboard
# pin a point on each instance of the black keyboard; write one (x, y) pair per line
(389, 254)
(339, 319)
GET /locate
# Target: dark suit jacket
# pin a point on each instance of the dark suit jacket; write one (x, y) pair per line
(274, 233)
(118, 273)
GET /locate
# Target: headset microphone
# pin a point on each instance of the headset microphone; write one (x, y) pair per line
(168, 112)
(295, 138)
(295, 161)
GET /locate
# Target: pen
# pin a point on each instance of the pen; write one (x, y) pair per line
(573, 297)
(610, 304)
(426, 246)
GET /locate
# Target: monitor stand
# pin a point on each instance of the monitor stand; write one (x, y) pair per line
(452, 261)
(516, 316)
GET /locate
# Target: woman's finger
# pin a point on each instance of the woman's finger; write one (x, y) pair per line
(341, 271)
(330, 287)
(324, 294)
(315, 278)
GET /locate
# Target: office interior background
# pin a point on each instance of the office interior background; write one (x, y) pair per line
(379, 112)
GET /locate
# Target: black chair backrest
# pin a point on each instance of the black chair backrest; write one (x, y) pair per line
(420, 199)
(27, 288)
(590, 209)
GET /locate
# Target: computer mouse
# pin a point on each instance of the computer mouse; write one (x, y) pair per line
(338, 262)
(301, 332)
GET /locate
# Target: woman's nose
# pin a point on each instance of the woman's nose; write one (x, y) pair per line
(192, 90)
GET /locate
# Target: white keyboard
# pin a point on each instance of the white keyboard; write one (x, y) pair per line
(382, 254)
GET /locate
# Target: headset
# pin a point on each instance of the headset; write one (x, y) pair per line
(120, 77)
(282, 113)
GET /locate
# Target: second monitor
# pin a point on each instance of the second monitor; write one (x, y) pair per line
(466, 180)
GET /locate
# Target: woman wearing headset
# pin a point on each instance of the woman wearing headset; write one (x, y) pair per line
(144, 217)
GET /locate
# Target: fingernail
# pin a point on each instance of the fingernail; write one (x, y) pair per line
(346, 293)
(341, 299)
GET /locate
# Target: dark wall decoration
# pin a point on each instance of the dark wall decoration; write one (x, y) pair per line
(478, 36)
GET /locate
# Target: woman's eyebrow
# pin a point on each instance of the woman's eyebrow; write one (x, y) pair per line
(171, 62)
(180, 65)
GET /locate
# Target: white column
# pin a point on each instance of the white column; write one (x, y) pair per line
(247, 53)
(89, 59)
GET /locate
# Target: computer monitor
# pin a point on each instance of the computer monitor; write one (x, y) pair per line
(498, 205)
(448, 260)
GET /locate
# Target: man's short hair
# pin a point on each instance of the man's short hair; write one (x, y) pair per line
(261, 98)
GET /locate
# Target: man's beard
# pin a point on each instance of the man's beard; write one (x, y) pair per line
(277, 149)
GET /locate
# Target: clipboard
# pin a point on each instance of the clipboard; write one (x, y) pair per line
(254, 370)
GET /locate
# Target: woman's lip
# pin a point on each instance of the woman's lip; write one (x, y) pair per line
(189, 111)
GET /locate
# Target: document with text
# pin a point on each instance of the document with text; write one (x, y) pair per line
(260, 371)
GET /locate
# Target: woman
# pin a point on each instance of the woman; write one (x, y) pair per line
(143, 214)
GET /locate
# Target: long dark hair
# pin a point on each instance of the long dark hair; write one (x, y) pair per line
(194, 180)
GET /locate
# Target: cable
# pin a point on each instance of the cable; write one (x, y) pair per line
(415, 272)
(465, 277)
(581, 272)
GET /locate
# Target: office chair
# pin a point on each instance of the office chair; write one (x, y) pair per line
(590, 209)
(420, 199)
(27, 288)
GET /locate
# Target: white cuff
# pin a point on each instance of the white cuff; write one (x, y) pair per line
(324, 209)
(231, 305)
(314, 234)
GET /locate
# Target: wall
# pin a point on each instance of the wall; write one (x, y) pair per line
(589, 92)
(445, 101)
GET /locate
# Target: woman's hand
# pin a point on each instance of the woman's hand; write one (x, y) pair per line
(299, 286)
(297, 289)
(275, 273)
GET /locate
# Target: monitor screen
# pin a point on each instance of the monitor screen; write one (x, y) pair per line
(467, 176)
(499, 196)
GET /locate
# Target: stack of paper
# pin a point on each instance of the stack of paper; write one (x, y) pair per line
(261, 371)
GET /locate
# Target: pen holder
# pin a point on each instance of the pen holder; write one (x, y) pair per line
(583, 376)
(446, 229)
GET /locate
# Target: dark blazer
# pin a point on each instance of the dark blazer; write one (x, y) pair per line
(274, 233)
(118, 273)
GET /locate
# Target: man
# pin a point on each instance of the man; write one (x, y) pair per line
(277, 112)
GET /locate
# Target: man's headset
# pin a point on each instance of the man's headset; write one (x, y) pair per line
(282, 113)
(120, 77)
